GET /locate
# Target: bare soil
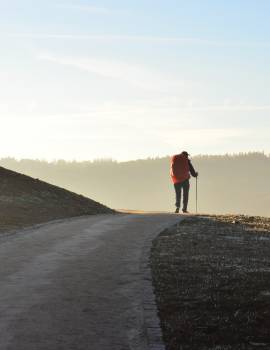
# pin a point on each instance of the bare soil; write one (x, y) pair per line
(25, 201)
(211, 278)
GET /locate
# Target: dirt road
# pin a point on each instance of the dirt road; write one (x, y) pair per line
(76, 284)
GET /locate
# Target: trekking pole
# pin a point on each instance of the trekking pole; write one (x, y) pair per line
(196, 194)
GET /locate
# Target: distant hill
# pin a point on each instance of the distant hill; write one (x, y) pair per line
(227, 183)
(26, 201)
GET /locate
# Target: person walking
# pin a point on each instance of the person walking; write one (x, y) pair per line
(181, 169)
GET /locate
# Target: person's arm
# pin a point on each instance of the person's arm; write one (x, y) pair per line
(192, 170)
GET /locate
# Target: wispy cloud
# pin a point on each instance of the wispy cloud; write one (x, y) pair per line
(226, 108)
(202, 135)
(109, 37)
(140, 38)
(86, 8)
(133, 74)
(216, 139)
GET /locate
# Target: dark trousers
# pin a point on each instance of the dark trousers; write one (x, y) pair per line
(178, 189)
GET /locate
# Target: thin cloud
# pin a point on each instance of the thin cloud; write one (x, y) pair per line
(133, 74)
(224, 108)
(86, 8)
(109, 37)
(139, 38)
(203, 136)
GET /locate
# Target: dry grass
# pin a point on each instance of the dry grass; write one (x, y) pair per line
(212, 283)
(25, 201)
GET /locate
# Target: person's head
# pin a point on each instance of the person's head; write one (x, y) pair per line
(185, 154)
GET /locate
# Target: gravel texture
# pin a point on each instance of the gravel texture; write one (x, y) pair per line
(211, 277)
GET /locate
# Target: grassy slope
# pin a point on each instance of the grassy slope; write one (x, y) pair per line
(26, 201)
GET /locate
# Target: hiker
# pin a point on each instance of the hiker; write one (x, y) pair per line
(181, 169)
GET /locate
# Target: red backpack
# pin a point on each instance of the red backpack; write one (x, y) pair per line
(179, 168)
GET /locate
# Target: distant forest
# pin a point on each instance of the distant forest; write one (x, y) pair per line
(227, 184)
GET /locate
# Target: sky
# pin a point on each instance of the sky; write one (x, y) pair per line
(84, 80)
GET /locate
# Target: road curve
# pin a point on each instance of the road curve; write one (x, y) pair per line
(76, 284)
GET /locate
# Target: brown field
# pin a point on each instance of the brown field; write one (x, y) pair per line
(211, 278)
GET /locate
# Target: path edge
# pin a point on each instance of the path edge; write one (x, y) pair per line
(150, 311)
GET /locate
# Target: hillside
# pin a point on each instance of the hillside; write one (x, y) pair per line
(26, 201)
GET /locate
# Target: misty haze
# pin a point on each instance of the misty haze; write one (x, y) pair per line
(226, 184)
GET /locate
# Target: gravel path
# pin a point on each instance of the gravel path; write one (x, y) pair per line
(76, 284)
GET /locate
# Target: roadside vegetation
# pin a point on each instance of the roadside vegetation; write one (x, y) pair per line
(211, 278)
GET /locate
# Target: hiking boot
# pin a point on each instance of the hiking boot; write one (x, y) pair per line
(176, 210)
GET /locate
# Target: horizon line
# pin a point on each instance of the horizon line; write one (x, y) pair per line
(112, 160)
